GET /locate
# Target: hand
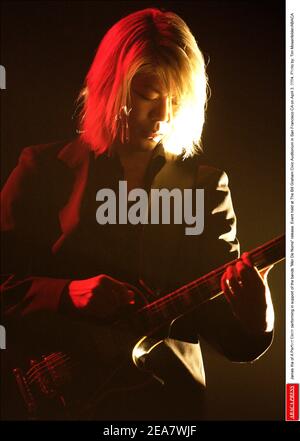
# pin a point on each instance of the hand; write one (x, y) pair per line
(248, 294)
(101, 296)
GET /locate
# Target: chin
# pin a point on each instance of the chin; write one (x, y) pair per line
(146, 144)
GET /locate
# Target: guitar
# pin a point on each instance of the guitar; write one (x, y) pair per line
(57, 385)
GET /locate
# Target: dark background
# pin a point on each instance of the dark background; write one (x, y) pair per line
(47, 48)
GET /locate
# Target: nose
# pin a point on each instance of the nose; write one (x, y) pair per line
(161, 110)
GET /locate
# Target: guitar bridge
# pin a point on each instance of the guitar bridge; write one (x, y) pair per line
(41, 386)
(25, 391)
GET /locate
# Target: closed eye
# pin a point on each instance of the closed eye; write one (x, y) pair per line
(147, 97)
(154, 97)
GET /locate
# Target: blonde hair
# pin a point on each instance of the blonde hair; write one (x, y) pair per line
(149, 39)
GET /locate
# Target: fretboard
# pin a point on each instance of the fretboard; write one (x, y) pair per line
(193, 294)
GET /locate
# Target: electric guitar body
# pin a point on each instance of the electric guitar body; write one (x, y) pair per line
(58, 367)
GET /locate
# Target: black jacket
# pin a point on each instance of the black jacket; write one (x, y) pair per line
(50, 236)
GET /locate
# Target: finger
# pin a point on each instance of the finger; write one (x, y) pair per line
(131, 297)
(225, 288)
(119, 292)
(134, 289)
(139, 296)
(233, 280)
(243, 273)
(226, 284)
(248, 265)
(251, 280)
(253, 271)
(246, 271)
(246, 258)
(124, 296)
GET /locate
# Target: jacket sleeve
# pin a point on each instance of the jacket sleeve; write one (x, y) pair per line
(22, 199)
(214, 320)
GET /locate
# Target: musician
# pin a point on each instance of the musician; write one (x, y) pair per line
(143, 110)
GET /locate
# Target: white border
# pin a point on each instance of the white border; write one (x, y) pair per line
(292, 192)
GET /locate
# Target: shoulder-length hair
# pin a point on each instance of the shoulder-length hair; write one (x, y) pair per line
(149, 39)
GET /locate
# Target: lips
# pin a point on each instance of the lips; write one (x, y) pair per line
(154, 135)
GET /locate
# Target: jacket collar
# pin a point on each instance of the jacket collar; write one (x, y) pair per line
(74, 153)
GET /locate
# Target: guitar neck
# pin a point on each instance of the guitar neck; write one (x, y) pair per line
(189, 296)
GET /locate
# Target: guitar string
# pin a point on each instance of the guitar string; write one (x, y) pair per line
(209, 279)
(57, 359)
(211, 275)
(44, 367)
(39, 375)
(35, 371)
(52, 357)
(210, 282)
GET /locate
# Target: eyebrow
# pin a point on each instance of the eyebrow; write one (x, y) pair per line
(148, 86)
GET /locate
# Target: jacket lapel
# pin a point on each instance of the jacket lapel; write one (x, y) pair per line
(75, 156)
(161, 243)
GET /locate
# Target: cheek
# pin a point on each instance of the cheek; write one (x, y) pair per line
(140, 109)
(138, 117)
(134, 122)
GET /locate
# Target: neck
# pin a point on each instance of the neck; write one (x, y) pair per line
(134, 162)
(127, 150)
(133, 157)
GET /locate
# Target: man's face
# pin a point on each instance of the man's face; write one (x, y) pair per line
(149, 119)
